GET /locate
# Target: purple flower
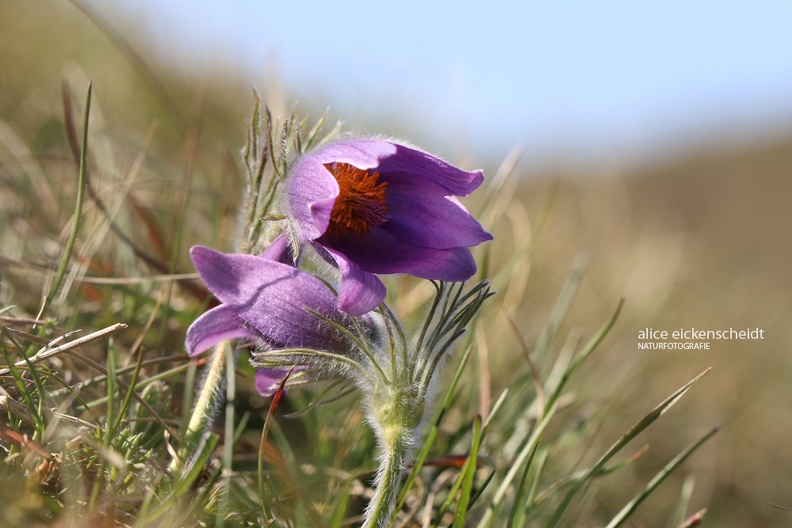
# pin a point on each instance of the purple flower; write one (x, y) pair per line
(377, 206)
(265, 300)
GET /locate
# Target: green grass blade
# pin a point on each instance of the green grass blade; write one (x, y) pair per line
(550, 407)
(630, 507)
(634, 431)
(75, 228)
(132, 387)
(27, 395)
(469, 476)
(526, 453)
(561, 308)
(111, 394)
(186, 480)
(341, 506)
(516, 509)
(686, 494)
(583, 356)
(460, 482)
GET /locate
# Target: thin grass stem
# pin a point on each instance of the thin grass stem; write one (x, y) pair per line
(78, 206)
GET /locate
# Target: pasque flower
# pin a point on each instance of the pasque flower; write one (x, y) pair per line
(266, 300)
(368, 206)
(373, 206)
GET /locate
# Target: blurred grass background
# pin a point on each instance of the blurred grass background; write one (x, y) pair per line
(699, 238)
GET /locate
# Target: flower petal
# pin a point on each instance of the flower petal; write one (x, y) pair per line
(280, 251)
(421, 212)
(381, 252)
(359, 291)
(363, 153)
(312, 192)
(268, 380)
(408, 160)
(214, 327)
(271, 298)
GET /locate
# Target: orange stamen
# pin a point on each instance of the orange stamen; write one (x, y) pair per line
(361, 200)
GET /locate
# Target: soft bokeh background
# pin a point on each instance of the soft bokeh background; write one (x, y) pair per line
(578, 77)
(656, 143)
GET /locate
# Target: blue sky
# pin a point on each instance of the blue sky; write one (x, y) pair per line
(577, 76)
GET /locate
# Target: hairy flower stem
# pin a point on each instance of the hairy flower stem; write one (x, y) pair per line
(395, 412)
(389, 477)
(205, 407)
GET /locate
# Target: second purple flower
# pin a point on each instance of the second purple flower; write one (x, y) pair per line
(268, 302)
(378, 207)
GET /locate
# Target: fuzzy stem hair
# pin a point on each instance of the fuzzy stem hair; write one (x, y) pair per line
(389, 477)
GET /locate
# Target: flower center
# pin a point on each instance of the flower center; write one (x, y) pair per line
(361, 200)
